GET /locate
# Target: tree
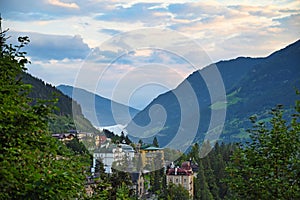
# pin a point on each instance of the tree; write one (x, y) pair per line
(155, 142)
(120, 179)
(201, 187)
(33, 164)
(140, 142)
(77, 147)
(123, 193)
(177, 192)
(268, 167)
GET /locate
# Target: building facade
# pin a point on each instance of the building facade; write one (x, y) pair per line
(152, 158)
(111, 153)
(182, 176)
(108, 155)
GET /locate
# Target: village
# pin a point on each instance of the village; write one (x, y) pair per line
(139, 160)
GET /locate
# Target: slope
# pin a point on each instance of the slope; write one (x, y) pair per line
(105, 112)
(252, 85)
(63, 119)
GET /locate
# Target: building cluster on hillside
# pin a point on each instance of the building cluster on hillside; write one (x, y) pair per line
(145, 157)
(139, 161)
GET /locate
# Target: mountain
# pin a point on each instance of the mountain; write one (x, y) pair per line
(68, 110)
(99, 110)
(252, 86)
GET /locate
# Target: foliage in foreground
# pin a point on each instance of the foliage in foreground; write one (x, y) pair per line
(33, 164)
(269, 166)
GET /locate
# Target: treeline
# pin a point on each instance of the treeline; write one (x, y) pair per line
(66, 114)
(211, 161)
(45, 91)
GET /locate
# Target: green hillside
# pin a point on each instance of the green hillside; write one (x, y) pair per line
(63, 119)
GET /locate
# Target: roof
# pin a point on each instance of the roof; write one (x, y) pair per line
(180, 171)
(126, 147)
(186, 165)
(151, 148)
(108, 149)
(135, 176)
(63, 135)
(185, 169)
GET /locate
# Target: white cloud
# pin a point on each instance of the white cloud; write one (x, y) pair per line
(63, 4)
(56, 72)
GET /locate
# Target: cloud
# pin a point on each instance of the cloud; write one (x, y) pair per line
(224, 29)
(54, 47)
(34, 10)
(54, 71)
(30, 16)
(139, 12)
(110, 31)
(290, 23)
(62, 4)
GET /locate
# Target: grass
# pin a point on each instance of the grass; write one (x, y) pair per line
(231, 100)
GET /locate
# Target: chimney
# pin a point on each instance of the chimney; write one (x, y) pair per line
(175, 171)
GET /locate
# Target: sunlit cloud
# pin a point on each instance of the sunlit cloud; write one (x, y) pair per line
(63, 4)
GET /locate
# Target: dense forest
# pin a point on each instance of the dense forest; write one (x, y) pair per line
(66, 110)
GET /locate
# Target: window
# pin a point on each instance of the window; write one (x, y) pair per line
(184, 180)
(176, 180)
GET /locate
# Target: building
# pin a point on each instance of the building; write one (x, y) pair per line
(151, 157)
(100, 139)
(182, 176)
(108, 154)
(64, 136)
(138, 183)
(128, 150)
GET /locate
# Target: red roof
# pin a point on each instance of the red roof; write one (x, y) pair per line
(180, 171)
(185, 169)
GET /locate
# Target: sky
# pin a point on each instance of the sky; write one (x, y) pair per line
(132, 51)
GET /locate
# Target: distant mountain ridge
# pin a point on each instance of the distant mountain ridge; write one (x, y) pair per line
(101, 114)
(68, 110)
(253, 85)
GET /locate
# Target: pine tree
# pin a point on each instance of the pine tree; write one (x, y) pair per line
(209, 174)
(177, 192)
(202, 192)
(268, 167)
(155, 142)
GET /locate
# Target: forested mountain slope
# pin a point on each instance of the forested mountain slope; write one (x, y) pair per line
(252, 85)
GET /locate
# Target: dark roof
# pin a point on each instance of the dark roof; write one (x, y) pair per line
(135, 176)
(185, 169)
(180, 171)
(63, 135)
